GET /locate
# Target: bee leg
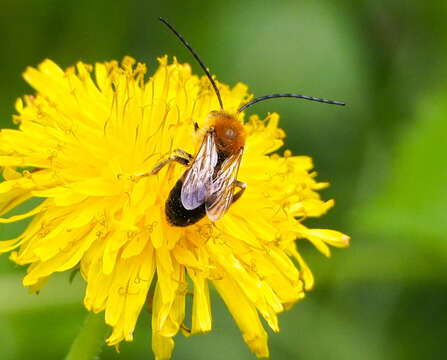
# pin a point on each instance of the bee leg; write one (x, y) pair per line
(177, 155)
(196, 126)
(184, 154)
(242, 186)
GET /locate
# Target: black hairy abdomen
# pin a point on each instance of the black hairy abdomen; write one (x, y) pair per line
(176, 214)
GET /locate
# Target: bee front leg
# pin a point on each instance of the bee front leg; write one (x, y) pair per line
(178, 155)
(242, 186)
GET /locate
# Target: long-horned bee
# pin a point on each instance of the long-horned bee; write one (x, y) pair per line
(208, 186)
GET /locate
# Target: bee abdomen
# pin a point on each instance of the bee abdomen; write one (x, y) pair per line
(176, 214)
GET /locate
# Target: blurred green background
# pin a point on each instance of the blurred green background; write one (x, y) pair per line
(385, 155)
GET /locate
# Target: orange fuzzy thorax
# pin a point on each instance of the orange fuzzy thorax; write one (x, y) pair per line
(230, 133)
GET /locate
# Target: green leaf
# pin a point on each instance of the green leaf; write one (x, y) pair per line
(413, 201)
(398, 226)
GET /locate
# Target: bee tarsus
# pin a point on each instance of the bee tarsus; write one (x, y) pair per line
(242, 186)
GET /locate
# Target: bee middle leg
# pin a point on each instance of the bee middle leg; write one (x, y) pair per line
(178, 155)
(183, 154)
(242, 186)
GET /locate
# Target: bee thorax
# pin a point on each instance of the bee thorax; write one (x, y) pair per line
(230, 133)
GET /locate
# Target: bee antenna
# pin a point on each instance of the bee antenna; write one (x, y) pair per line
(273, 96)
(195, 56)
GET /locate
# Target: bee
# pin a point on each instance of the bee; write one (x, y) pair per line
(209, 184)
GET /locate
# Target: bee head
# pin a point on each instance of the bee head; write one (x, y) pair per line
(229, 132)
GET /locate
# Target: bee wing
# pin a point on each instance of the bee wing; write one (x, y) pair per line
(200, 174)
(220, 193)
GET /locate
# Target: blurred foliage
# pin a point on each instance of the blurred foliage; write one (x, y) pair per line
(384, 154)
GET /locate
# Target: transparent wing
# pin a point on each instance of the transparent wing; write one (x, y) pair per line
(200, 174)
(220, 192)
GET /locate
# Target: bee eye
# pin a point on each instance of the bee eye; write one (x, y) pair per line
(230, 133)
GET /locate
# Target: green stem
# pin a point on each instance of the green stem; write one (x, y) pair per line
(90, 339)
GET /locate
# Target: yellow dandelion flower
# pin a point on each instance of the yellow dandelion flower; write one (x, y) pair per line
(78, 147)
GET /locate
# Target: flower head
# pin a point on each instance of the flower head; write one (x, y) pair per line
(79, 147)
